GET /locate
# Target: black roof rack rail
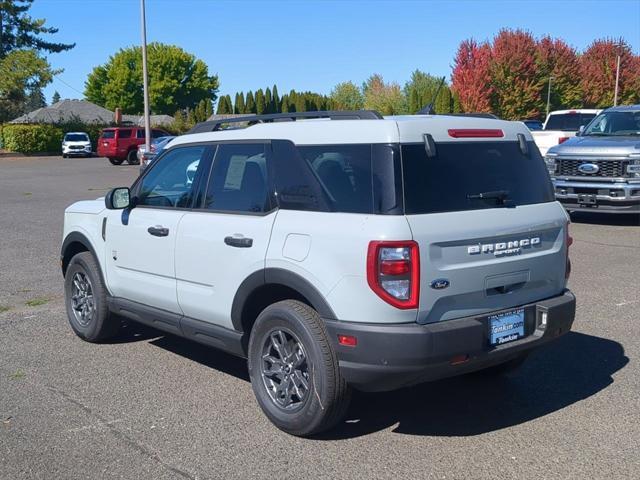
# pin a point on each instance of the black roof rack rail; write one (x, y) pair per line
(215, 125)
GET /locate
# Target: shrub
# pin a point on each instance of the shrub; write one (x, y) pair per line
(31, 138)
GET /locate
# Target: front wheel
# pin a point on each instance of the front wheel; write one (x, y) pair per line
(86, 300)
(294, 370)
(115, 161)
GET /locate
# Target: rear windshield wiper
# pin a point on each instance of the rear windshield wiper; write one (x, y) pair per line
(500, 196)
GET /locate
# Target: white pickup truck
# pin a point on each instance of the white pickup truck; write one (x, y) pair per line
(560, 126)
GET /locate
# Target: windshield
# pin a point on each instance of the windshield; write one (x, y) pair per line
(473, 176)
(76, 137)
(570, 122)
(615, 123)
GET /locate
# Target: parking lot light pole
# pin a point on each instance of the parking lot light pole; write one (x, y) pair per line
(615, 94)
(145, 80)
(549, 95)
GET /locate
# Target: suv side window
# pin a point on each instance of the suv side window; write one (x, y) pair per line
(238, 181)
(140, 133)
(170, 182)
(344, 172)
(156, 133)
(124, 133)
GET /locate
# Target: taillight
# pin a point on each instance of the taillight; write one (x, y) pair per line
(568, 241)
(562, 140)
(393, 272)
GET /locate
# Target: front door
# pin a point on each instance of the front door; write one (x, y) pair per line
(141, 241)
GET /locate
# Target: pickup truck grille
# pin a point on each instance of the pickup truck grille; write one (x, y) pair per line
(606, 168)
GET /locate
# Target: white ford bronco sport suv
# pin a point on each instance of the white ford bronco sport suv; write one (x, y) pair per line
(333, 250)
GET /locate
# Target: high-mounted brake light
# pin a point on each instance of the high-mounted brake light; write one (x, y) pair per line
(562, 140)
(393, 272)
(475, 133)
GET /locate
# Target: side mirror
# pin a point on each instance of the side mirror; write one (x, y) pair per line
(580, 130)
(117, 198)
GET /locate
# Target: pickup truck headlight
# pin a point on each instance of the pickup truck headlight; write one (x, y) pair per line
(634, 167)
(552, 166)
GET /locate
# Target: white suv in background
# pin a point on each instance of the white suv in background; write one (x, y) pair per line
(334, 250)
(76, 144)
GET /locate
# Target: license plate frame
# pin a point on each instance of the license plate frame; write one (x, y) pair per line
(506, 327)
(587, 199)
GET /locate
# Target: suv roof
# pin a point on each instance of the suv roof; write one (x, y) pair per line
(392, 129)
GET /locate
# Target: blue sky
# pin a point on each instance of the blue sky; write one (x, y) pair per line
(313, 45)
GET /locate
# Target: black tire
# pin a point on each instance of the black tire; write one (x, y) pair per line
(115, 161)
(504, 368)
(99, 324)
(64, 155)
(132, 158)
(327, 397)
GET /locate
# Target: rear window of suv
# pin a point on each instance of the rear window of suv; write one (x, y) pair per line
(570, 122)
(461, 171)
(108, 134)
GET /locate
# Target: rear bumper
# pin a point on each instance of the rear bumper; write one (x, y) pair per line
(388, 357)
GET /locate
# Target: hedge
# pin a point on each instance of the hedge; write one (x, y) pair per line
(42, 138)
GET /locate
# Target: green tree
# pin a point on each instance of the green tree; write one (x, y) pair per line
(250, 103)
(284, 104)
(387, 99)
(176, 80)
(346, 96)
(260, 102)
(55, 98)
(268, 100)
(421, 89)
(239, 106)
(21, 72)
(19, 31)
(35, 100)
(276, 99)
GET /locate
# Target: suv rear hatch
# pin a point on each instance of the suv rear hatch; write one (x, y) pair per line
(107, 143)
(491, 236)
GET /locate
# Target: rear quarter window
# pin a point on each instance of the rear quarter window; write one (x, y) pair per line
(460, 170)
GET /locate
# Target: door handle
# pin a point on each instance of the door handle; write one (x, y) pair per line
(238, 241)
(158, 231)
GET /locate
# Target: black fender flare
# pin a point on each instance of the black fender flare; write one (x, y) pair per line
(77, 237)
(277, 276)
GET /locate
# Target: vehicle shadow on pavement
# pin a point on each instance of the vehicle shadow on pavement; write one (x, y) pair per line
(621, 220)
(571, 369)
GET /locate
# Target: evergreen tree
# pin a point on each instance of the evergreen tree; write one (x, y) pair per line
(260, 102)
(268, 101)
(18, 30)
(284, 104)
(236, 104)
(208, 111)
(55, 98)
(250, 104)
(35, 100)
(222, 106)
(276, 100)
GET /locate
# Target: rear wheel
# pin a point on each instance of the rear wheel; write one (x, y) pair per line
(294, 370)
(132, 158)
(86, 300)
(115, 161)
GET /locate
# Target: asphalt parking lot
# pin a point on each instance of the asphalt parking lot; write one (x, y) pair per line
(152, 406)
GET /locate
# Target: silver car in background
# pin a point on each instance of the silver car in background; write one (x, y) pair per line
(157, 145)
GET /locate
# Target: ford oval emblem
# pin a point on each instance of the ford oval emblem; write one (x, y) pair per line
(440, 283)
(588, 168)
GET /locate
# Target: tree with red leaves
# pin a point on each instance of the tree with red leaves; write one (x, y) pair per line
(554, 58)
(471, 77)
(515, 76)
(598, 73)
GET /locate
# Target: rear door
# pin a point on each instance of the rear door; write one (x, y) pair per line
(107, 143)
(491, 235)
(220, 244)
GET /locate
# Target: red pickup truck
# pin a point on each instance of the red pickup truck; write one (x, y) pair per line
(121, 143)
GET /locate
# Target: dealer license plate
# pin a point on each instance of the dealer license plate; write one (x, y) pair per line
(506, 327)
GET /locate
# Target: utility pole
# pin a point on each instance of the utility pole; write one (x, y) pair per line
(615, 94)
(145, 79)
(549, 95)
